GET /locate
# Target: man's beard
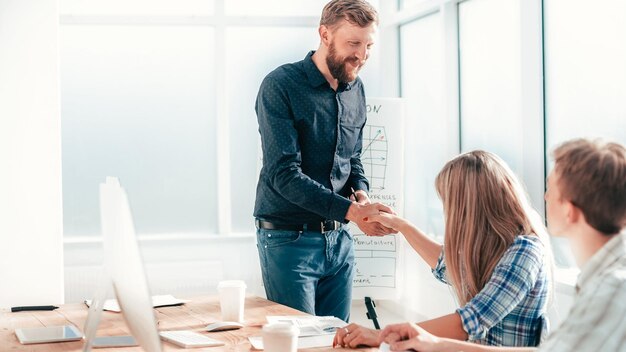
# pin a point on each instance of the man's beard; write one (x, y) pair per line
(338, 66)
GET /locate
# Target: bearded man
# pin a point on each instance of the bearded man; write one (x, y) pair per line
(311, 116)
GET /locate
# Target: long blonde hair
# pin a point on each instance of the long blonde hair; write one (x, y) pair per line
(485, 209)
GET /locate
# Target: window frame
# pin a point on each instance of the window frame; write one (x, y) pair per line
(220, 22)
(532, 92)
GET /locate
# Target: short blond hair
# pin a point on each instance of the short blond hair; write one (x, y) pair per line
(357, 12)
(591, 175)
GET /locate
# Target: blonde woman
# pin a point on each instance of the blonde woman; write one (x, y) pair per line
(496, 257)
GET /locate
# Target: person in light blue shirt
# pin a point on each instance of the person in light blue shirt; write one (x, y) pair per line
(495, 256)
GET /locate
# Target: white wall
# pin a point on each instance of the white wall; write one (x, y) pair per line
(179, 264)
(31, 261)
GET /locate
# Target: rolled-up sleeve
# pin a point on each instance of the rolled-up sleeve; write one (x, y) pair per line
(512, 279)
(439, 271)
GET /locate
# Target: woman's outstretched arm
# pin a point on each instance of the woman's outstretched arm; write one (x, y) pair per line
(426, 247)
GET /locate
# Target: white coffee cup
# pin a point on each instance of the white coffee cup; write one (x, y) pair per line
(280, 337)
(232, 296)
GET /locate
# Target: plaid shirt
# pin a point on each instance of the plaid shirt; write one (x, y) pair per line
(596, 321)
(511, 309)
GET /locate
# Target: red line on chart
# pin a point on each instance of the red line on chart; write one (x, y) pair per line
(372, 141)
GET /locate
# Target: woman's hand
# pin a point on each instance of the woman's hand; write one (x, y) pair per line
(407, 336)
(354, 335)
(391, 221)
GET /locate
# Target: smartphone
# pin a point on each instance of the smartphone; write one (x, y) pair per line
(114, 341)
(48, 334)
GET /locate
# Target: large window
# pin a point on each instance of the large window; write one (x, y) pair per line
(489, 55)
(404, 4)
(137, 103)
(427, 131)
(504, 53)
(274, 7)
(146, 91)
(585, 77)
(136, 7)
(161, 94)
(585, 68)
(250, 57)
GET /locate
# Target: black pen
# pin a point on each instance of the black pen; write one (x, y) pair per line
(25, 308)
(354, 194)
(371, 312)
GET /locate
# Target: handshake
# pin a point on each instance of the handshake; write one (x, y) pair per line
(374, 219)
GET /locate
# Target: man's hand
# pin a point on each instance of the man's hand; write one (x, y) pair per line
(359, 213)
(360, 197)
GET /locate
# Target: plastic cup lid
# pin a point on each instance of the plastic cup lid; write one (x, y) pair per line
(281, 328)
(231, 283)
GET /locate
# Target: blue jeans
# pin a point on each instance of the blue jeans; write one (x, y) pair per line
(309, 271)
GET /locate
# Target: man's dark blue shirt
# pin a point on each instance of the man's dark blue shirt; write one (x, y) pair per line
(311, 136)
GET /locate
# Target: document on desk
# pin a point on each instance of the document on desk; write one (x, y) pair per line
(157, 301)
(309, 325)
(314, 331)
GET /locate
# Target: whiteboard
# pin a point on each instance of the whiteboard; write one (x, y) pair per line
(376, 258)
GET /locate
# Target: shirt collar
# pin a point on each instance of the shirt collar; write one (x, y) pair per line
(614, 249)
(316, 78)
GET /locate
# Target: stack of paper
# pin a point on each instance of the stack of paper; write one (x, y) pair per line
(157, 301)
(314, 331)
(309, 325)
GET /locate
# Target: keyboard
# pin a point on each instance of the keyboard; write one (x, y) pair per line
(187, 339)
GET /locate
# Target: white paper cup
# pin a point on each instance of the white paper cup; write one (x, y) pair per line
(280, 337)
(232, 296)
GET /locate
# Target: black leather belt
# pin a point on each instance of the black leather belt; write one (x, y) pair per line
(322, 226)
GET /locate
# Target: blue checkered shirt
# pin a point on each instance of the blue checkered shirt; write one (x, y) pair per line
(511, 309)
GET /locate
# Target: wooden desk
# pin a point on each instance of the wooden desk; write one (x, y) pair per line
(194, 315)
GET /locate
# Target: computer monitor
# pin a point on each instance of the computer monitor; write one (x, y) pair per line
(124, 269)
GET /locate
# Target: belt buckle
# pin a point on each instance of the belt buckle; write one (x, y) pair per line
(332, 225)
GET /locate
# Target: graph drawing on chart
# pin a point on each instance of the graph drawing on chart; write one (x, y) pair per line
(374, 156)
